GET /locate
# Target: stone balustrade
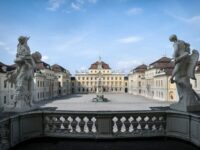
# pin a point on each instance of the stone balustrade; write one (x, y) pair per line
(99, 125)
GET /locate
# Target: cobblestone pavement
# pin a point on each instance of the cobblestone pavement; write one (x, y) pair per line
(117, 102)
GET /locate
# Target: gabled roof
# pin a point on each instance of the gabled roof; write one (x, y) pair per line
(43, 65)
(2, 64)
(161, 60)
(168, 68)
(95, 65)
(58, 68)
(7, 67)
(160, 63)
(140, 68)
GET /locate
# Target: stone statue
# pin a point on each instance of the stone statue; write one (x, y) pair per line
(184, 70)
(23, 75)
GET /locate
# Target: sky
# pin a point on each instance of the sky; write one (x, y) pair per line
(75, 33)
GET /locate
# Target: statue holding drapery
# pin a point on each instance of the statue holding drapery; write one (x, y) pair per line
(184, 70)
(23, 75)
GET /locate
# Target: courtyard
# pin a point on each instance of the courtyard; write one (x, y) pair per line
(116, 102)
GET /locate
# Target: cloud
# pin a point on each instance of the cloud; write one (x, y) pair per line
(80, 4)
(194, 20)
(53, 5)
(134, 11)
(76, 6)
(45, 58)
(130, 39)
(5, 47)
(127, 65)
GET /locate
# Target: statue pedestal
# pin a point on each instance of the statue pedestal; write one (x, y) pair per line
(181, 106)
(20, 107)
(100, 98)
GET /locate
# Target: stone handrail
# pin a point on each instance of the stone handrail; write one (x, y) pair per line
(99, 125)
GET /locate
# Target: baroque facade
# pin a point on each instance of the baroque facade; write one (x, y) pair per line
(86, 81)
(49, 82)
(153, 81)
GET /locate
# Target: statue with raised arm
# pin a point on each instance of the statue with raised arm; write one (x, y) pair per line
(23, 75)
(184, 70)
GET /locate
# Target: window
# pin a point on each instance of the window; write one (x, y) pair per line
(4, 100)
(11, 96)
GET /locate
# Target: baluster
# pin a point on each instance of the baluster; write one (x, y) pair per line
(131, 129)
(139, 125)
(86, 129)
(154, 128)
(154, 123)
(47, 120)
(70, 128)
(146, 119)
(123, 128)
(54, 125)
(78, 128)
(115, 128)
(146, 127)
(161, 127)
(94, 129)
(62, 119)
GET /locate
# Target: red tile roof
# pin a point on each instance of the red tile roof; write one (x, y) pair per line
(95, 65)
(142, 68)
(43, 65)
(160, 63)
(7, 67)
(58, 68)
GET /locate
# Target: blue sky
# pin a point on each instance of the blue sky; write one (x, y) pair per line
(74, 33)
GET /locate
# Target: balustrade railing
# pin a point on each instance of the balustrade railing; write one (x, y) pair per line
(120, 124)
(143, 124)
(68, 124)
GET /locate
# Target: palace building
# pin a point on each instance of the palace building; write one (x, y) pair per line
(49, 82)
(153, 81)
(112, 82)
